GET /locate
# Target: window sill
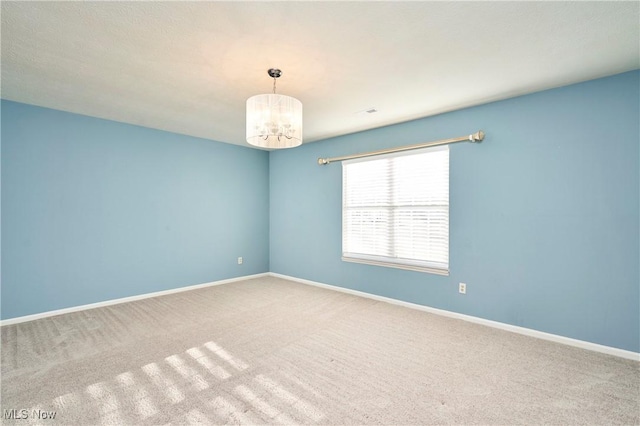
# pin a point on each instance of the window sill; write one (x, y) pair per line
(427, 269)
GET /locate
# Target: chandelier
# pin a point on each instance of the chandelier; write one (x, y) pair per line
(274, 121)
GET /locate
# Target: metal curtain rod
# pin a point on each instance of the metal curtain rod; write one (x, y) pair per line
(475, 137)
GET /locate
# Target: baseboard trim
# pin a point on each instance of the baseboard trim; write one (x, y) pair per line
(47, 314)
(622, 353)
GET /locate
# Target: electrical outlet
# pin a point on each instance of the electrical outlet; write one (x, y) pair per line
(240, 261)
(462, 288)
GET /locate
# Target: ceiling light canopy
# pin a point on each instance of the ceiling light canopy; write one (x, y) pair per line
(274, 121)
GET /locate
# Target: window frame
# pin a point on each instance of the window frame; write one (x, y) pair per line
(428, 266)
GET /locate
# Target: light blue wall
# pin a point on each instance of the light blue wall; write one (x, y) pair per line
(544, 213)
(94, 210)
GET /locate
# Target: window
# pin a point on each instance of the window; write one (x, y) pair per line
(395, 210)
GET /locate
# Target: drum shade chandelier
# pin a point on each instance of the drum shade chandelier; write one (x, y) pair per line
(274, 121)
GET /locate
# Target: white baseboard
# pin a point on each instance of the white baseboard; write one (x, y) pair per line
(635, 356)
(124, 300)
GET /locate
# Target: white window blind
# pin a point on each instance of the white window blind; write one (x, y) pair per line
(395, 210)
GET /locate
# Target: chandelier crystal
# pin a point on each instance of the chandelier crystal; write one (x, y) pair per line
(274, 121)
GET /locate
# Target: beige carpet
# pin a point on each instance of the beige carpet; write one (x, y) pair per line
(272, 351)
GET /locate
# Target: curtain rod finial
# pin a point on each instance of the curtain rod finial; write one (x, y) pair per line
(477, 137)
(322, 161)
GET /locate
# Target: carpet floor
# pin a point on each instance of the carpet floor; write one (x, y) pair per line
(267, 351)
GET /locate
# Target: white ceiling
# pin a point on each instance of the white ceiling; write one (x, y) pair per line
(188, 67)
